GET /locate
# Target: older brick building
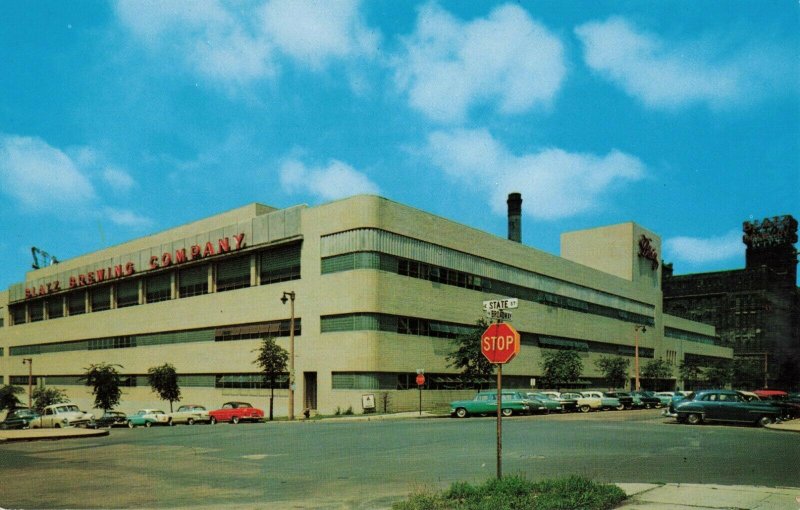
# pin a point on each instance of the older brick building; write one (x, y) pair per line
(756, 310)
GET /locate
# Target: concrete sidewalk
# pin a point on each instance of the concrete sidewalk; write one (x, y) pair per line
(680, 496)
(9, 436)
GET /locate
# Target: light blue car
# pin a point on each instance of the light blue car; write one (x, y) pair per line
(148, 418)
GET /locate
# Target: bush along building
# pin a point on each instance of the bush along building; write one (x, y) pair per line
(378, 291)
(755, 310)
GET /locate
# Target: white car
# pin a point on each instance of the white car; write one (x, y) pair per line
(62, 415)
(189, 414)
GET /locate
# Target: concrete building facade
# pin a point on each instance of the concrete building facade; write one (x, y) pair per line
(381, 291)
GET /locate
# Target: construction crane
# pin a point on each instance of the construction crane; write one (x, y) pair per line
(41, 258)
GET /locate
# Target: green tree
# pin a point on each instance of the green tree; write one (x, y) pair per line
(163, 381)
(655, 371)
(467, 356)
(719, 374)
(748, 373)
(44, 396)
(615, 370)
(272, 358)
(561, 367)
(105, 383)
(690, 371)
(8, 397)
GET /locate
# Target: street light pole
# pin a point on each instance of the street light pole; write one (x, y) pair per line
(636, 329)
(29, 362)
(289, 296)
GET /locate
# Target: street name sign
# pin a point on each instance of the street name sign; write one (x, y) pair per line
(500, 304)
(498, 315)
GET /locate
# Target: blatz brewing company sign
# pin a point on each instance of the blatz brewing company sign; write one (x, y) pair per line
(647, 251)
(166, 259)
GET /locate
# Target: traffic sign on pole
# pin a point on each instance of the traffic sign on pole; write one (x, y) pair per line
(500, 304)
(500, 343)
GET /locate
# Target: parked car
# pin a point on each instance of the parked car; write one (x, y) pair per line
(790, 408)
(537, 405)
(567, 404)
(235, 412)
(665, 397)
(485, 402)
(549, 404)
(647, 398)
(606, 401)
(62, 415)
(678, 397)
(148, 418)
(625, 398)
(189, 414)
(18, 418)
(726, 406)
(112, 419)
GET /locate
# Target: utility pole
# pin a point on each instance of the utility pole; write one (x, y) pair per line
(289, 296)
(636, 329)
(29, 362)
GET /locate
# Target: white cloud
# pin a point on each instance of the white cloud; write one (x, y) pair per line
(668, 75)
(118, 179)
(506, 60)
(554, 183)
(40, 176)
(696, 250)
(126, 218)
(337, 180)
(236, 43)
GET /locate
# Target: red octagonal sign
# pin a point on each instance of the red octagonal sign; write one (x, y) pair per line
(500, 343)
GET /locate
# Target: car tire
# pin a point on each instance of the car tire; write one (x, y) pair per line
(584, 408)
(506, 412)
(131, 425)
(621, 407)
(190, 421)
(764, 421)
(148, 424)
(212, 421)
(694, 419)
(57, 425)
(235, 420)
(461, 412)
(171, 423)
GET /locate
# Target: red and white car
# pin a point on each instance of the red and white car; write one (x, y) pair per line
(235, 412)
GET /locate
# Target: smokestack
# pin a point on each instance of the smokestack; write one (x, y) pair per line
(515, 217)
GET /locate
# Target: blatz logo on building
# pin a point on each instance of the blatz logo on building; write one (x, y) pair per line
(156, 262)
(647, 251)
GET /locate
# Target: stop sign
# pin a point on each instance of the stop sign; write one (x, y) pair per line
(420, 379)
(500, 343)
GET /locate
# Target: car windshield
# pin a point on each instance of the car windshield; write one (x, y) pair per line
(69, 409)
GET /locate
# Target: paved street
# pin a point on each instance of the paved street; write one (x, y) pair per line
(330, 464)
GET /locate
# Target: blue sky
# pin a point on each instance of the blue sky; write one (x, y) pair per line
(120, 119)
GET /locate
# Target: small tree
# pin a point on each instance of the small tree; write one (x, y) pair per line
(615, 370)
(44, 396)
(748, 373)
(690, 372)
(719, 374)
(8, 397)
(163, 381)
(655, 371)
(272, 358)
(561, 367)
(105, 383)
(467, 356)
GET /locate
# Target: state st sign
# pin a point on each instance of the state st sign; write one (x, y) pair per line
(500, 343)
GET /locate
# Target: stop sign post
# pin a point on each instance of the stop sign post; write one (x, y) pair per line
(499, 344)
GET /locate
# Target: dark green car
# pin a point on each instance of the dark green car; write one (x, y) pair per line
(485, 402)
(724, 405)
(18, 418)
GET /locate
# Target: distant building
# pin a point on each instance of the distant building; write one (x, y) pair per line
(755, 310)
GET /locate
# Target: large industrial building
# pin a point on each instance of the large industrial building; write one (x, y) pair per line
(755, 310)
(380, 291)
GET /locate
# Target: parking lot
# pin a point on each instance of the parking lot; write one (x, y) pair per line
(357, 463)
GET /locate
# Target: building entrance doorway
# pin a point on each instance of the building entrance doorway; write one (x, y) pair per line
(310, 390)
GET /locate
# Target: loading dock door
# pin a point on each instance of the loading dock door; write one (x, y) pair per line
(310, 390)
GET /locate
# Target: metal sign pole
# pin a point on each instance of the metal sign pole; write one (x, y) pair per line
(499, 421)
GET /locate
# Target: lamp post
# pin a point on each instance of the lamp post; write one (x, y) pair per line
(29, 362)
(636, 329)
(289, 296)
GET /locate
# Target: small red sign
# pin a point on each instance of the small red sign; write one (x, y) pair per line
(420, 379)
(500, 343)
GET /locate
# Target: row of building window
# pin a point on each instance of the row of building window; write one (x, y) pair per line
(438, 381)
(270, 266)
(219, 334)
(691, 336)
(443, 275)
(232, 381)
(437, 329)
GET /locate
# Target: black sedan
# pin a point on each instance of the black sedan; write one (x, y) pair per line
(18, 418)
(725, 406)
(112, 419)
(647, 398)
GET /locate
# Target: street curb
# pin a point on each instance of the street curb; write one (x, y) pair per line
(54, 436)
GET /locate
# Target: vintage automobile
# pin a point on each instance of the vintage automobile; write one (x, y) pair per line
(790, 408)
(62, 415)
(485, 402)
(543, 400)
(648, 399)
(626, 399)
(235, 412)
(148, 418)
(567, 404)
(112, 419)
(189, 414)
(18, 418)
(603, 400)
(726, 406)
(665, 397)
